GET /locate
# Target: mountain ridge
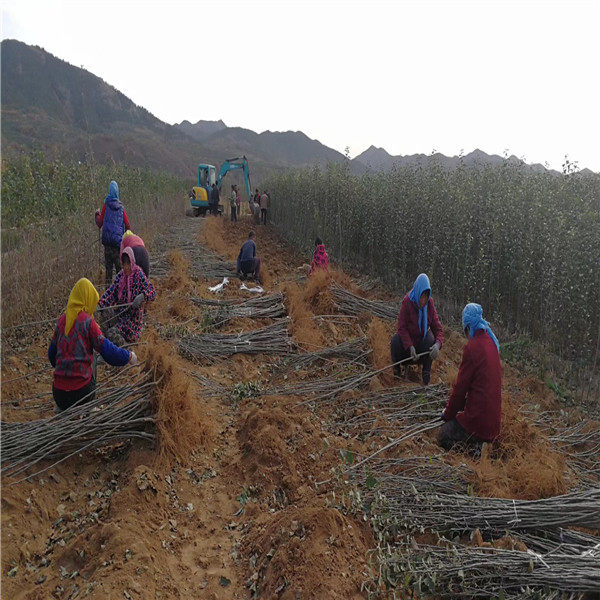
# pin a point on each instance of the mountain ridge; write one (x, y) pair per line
(49, 104)
(380, 159)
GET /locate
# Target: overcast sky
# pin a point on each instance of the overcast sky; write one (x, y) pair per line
(521, 76)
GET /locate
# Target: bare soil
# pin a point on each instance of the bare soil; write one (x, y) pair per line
(226, 505)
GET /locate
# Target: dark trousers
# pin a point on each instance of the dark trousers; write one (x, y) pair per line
(142, 259)
(263, 216)
(399, 352)
(251, 266)
(452, 432)
(66, 399)
(111, 259)
(234, 213)
(214, 208)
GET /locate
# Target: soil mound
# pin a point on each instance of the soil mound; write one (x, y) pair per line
(283, 449)
(308, 552)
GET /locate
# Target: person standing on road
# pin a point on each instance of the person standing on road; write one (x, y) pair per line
(474, 411)
(114, 222)
(214, 199)
(264, 207)
(419, 329)
(233, 203)
(71, 350)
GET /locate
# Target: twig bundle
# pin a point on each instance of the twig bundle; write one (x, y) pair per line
(272, 339)
(564, 541)
(262, 307)
(117, 413)
(423, 472)
(457, 512)
(580, 443)
(463, 571)
(351, 304)
(353, 349)
(390, 409)
(311, 387)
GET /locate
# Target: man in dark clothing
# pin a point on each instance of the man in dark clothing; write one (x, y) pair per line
(473, 412)
(214, 199)
(247, 261)
(114, 222)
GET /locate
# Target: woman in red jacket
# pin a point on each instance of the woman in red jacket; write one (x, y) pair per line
(419, 329)
(320, 259)
(473, 412)
(71, 351)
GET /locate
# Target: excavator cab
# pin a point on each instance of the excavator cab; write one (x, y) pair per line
(201, 192)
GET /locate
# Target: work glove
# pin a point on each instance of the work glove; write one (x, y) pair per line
(413, 354)
(443, 415)
(434, 350)
(137, 301)
(133, 359)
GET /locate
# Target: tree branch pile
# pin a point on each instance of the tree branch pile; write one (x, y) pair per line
(460, 513)
(350, 304)
(118, 413)
(352, 349)
(273, 339)
(471, 572)
(262, 307)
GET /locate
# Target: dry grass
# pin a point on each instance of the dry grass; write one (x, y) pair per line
(179, 271)
(180, 427)
(213, 234)
(522, 463)
(317, 294)
(380, 333)
(37, 278)
(303, 327)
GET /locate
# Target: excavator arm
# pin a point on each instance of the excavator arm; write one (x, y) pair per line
(233, 164)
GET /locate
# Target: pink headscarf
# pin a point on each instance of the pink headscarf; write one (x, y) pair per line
(125, 281)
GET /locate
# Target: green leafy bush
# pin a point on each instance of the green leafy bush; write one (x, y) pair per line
(523, 244)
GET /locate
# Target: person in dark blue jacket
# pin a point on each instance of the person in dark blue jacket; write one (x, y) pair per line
(247, 261)
(114, 223)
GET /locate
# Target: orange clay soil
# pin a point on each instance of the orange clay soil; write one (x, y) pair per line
(225, 505)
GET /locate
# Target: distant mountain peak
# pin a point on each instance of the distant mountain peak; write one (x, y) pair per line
(201, 129)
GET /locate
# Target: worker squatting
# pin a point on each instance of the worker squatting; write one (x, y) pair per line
(473, 412)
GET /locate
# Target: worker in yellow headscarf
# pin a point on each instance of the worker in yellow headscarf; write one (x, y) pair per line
(71, 351)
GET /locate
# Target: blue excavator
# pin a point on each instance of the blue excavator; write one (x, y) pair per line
(207, 175)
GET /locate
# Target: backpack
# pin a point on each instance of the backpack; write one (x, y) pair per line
(113, 227)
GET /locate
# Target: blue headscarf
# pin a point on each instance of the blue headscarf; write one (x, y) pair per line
(113, 192)
(473, 318)
(421, 285)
